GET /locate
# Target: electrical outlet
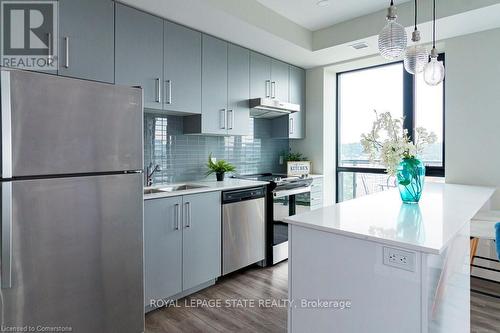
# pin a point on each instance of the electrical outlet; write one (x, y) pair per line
(281, 160)
(213, 159)
(399, 258)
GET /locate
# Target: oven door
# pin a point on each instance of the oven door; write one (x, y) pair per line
(284, 205)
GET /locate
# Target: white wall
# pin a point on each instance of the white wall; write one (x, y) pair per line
(473, 110)
(319, 144)
(472, 121)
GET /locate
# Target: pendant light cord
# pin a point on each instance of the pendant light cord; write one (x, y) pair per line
(392, 2)
(434, 24)
(415, 15)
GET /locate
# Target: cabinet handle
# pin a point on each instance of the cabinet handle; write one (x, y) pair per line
(223, 118)
(273, 89)
(50, 46)
(66, 50)
(230, 119)
(291, 126)
(177, 216)
(169, 91)
(6, 235)
(158, 90)
(188, 214)
(268, 89)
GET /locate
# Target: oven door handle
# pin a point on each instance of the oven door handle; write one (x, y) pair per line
(286, 193)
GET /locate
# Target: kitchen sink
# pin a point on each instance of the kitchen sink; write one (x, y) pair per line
(172, 188)
(183, 187)
(152, 191)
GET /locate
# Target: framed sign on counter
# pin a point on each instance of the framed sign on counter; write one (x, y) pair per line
(298, 168)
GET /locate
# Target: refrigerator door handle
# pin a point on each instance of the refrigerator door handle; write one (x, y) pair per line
(6, 125)
(6, 269)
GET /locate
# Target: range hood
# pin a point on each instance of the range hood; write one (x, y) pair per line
(271, 108)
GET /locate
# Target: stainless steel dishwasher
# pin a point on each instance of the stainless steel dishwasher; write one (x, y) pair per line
(243, 228)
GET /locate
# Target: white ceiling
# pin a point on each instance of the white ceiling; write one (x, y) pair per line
(313, 17)
(253, 25)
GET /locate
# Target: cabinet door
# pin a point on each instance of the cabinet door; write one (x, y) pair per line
(139, 53)
(238, 78)
(279, 80)
(86, 39)
(214, 86)
(162, 248)
(297, 120)
(182, 69)
(202, 238)
(260, 75)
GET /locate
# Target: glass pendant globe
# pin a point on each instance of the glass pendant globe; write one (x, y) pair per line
(416, 57)
(392, 40)
(434, 72)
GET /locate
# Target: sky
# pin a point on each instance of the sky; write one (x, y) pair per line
(381, 89)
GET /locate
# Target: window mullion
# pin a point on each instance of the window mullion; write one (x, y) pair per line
(408, 102)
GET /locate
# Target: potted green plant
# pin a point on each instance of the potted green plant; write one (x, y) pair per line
(219, 168)
(293, 157)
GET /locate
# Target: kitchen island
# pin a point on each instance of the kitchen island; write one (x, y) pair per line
(374, 264)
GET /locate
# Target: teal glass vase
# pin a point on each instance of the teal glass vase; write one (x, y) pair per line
(411, 177)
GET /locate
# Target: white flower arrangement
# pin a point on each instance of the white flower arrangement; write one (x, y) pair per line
(396, 145)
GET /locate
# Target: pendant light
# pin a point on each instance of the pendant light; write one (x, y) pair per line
(392, 40)
(416, 55)
(434, 70)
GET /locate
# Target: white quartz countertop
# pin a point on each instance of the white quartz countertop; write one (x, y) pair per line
(382, 217)
(209, 186)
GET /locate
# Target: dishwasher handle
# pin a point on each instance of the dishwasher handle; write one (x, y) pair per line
(243, 195)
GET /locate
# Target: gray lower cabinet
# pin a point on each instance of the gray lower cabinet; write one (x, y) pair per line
(182, 65)
(182, 244)
(86, 39)
(139, 53)
(316, 195)
(297, 120)
(238, 80)
(201, 245)
(162, 248)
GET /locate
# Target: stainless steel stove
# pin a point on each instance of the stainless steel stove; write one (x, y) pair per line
(281, 202)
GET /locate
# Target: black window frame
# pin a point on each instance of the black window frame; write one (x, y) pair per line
(409, 115)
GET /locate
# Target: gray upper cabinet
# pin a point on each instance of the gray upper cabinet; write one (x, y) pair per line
(202, 238)
(297, 120)
(260, 75)
(182, 50)
(268, 77)
(86, 39)
(238, 76)
(162, 248)
(139, 53)
(280, 80)
(214, 86)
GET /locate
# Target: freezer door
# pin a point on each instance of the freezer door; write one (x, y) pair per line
(57, 125)
(76, 254)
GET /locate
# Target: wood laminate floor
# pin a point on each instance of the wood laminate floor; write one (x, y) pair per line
(232, 314)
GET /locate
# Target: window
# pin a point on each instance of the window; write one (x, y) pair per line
(385, 88)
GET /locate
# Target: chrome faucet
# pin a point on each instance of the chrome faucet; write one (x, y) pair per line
(150, 172)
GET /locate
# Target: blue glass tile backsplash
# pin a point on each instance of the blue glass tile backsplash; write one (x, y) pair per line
(184, 157)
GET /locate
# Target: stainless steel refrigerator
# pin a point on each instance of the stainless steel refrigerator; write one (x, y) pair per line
(71, 204)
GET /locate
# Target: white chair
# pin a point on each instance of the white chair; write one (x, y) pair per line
(482, 227)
